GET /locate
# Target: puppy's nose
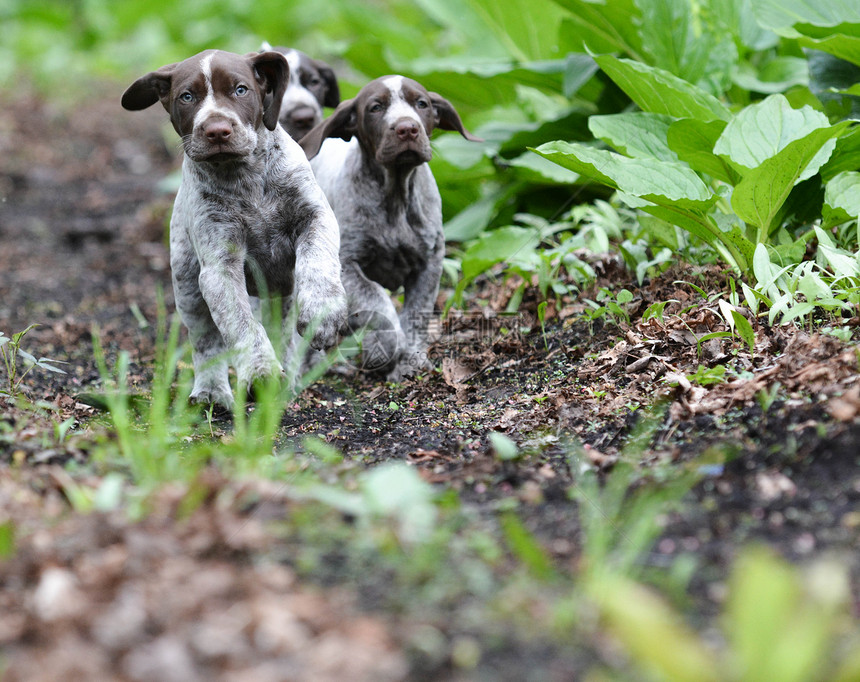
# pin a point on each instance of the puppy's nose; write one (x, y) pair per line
(303, 117)
(406, 129)
(218, 131)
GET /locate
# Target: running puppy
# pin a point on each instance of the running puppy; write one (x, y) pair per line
(389, 210)
(249, 216)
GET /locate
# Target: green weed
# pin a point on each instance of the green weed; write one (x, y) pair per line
(13, 355)
(779, 623)
(609, 305)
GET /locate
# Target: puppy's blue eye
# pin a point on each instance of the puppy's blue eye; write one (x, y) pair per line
(241, 90)
(186, 97)
(421, 104)
(375, 108)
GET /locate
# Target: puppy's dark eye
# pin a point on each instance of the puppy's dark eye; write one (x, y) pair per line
(375, 108)
(314, 81)
(186, 97)
(241, 90)
(422, 104)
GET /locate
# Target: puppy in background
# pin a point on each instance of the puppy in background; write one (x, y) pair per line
(249, 218)
(312, 86)
(376, 177)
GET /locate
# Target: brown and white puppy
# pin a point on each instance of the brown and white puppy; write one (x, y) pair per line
(249, 216)
(387, 203)
(311, 87)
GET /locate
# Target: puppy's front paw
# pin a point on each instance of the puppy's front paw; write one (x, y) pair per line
(211, 385)
(410, 363)
(326, 317)
(207, 396)
(260, 363)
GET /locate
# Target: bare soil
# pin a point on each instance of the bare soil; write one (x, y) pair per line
(217, 593)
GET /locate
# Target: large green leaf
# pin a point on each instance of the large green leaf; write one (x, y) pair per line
(762, 130)
(832, 26)
(661, 92)
(637, 134)
(572, 125)
(842, 199)
(662, 182)
(846, 156)
(731, 244)
(735, 18)
(539, 170)
(667, 33)
(676, 40)
(780, 15)
(840, 45)
(676, 194)
(693, 220)
(772, 76)
(525, 27)
(472, 220)
(761, 194)
(693, 141)
(496, 246)
(601, 27)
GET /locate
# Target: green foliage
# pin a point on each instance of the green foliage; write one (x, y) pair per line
(644, 624)
(524, 546)
(151, 431)
(620, 515)
(733, 177)
(831, 27)
(780, 624)
(609, 305)
(397, 492)
(685, 177)
(708, 376)
(7, 539)
(540, 250)
(11, 352)
(829, 285)
(504, 448)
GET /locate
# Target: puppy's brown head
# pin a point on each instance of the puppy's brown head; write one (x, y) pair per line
(392, 117)
(217, 100)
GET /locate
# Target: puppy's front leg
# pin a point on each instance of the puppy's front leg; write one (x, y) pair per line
(418, 309)
(371, 310)
(209, 355)
(319, 291)
(222, 283)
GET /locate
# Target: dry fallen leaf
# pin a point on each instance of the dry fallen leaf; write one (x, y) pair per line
(845, 407)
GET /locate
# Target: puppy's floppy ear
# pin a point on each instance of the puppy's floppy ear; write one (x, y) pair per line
(447, 117)
(342, 124)
(332, 91)
(149, 89)
(272, 73)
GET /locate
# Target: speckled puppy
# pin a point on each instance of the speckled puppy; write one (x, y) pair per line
(249, 215)
(390, 213)
(313, 85)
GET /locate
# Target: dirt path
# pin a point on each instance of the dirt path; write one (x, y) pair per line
(81, 244)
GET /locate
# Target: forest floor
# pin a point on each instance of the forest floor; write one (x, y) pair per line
(250, 583)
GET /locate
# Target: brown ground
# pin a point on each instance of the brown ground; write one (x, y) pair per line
(214, 593)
